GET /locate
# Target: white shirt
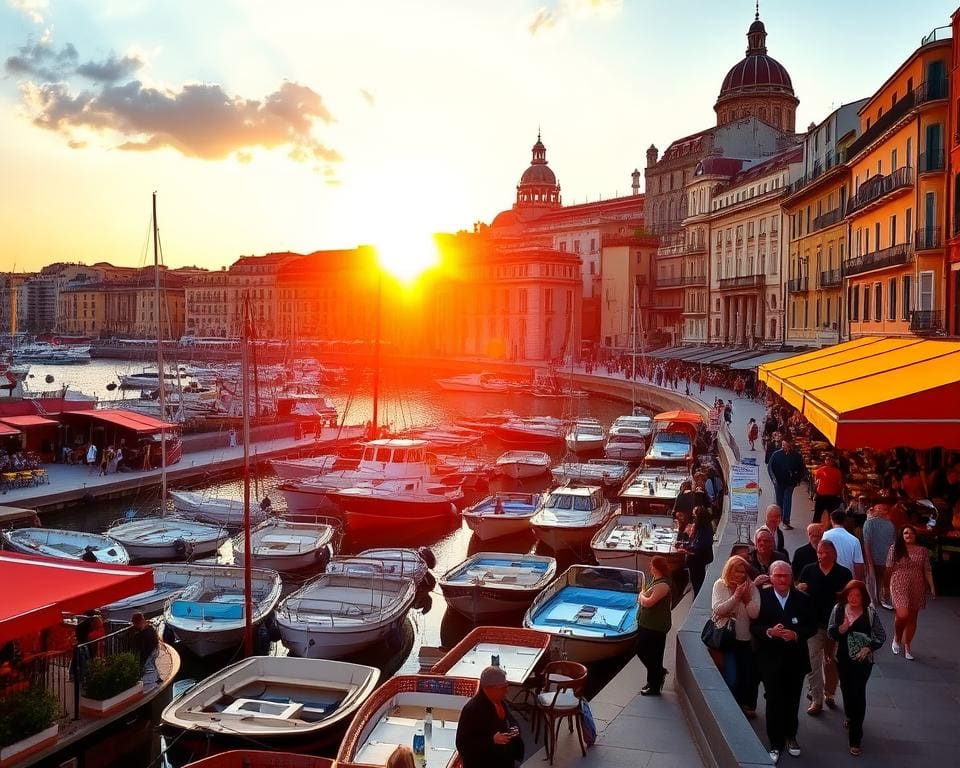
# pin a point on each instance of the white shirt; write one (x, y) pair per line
(848, 547)
(781, 599)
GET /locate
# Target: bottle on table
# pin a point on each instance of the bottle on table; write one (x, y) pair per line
(428, 730)
(419, 749)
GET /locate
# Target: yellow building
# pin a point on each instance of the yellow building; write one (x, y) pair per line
(896, 209)
(626, 270)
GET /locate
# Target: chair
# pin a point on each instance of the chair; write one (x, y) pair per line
(561, 698)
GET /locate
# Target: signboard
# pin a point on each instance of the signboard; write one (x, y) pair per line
(744, 494)
(713, 420)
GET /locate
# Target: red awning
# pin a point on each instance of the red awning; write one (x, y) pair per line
(28, 421)
(6, 431)
(136, 422)
(58, 586)
(685, 417)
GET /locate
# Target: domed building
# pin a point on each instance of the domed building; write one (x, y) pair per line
(538, 187)
(758, 86)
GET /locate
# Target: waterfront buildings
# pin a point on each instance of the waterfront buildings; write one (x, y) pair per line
(952, 326)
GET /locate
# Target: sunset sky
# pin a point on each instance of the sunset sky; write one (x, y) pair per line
(303, 125)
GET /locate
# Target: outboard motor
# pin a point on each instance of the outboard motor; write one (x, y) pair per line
(426, 554)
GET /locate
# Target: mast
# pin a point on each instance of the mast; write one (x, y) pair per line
(633, 357)
(247, 573)
(376, 355)
(160, 377)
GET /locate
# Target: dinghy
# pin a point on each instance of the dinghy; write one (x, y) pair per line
(169, 581)
(149, 539)
(66, 545)
(213, 509)
(502, 514)
(492, 583)
(286, 546)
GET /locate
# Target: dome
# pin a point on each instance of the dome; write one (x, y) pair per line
(538, 185)
(756, 72)
(538, 174)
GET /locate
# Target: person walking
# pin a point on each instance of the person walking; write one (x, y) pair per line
(92, 457)
(849, 550)
(822, 581)
(828, 488)
(908, 578)
(879, 533)
(654, 624)
(781, 630)
(700, 548)
(232, 437)
(855, 627)
(753, 432)
(728, 413)
(786, 469)
(736, 599)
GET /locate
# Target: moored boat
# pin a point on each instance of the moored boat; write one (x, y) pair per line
(395, 502)
(169, 581)
(67, 545)
(492, 583)
(631, 541)
(517, 652)
(590, 612)
(585, 436)
(213, 509)
(652, 490)
(608, 473)
(474, 382)
(534, 430)
(626, 442)
(523, 464)
(286, 546)
(260, 758)
(394, 561)
(502, 514)
(569, 515)
(149, 539)
(674, 439)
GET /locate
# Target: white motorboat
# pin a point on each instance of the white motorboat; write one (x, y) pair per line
(674, 439)
(533, 430)
(67, 545)
(398, 561)
(631, 541)
(214, 509)
(569, 515)
(590, 611)
(608, 473)
(285, 546)
(342, 612)
(387, 503)
(301, 469)
(169, 581)
(523, 464)
(626, 443)
(585, 436)
(491, 583)
(644, 424)
(149, 539)
(502, 514)
(277, 701)
(474, 382)
(652, 490)
(208, 616)
(148, 380)
(393, 714)
(451, 437)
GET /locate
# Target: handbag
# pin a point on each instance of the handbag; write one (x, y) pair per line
(719, 638)
(856, 642)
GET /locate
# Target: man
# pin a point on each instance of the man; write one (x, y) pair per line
(786, 470)
(822, 581)
(763, 557)
(807, 554)
(146, 642)
(828, 487)
(772, 523)
(781, 630)
(487, 734)
(849, 551)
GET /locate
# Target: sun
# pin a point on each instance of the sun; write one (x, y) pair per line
(407, 254)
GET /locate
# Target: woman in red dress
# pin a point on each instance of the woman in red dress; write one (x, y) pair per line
(909, 577)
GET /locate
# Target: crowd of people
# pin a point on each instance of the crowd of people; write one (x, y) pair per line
(19, 461)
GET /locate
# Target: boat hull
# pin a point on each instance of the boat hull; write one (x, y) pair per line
(559, 538)
(371, 513)
(480, 601)
(334, 645)
(521, 471)
(490, 526)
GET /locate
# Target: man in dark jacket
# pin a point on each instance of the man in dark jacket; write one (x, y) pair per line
(785, 622)
(786, 470)
(487, 734)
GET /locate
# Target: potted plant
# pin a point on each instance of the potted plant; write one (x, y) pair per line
(109, 682)
(27, 722)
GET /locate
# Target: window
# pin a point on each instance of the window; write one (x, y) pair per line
(854, 304)
(593, 245)
(892, 299)
(907, 296)
(909, 162)
(576, 246)
(877, 301)
(925, 292)
(908, 223)
(893, 160)
(893, 230)
(563, 246)
(866, 303)
(876, 233)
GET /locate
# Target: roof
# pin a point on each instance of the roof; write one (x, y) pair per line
(757, 73)
(679, 417)
(770, 165)
(28, 421)
(7, 431)
(57, 587)
(876, 391)
(137, 422)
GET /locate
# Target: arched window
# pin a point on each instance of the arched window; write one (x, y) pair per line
(776, 116)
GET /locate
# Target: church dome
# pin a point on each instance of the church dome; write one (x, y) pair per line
(756, 73)
(538, 187)
(538, 174)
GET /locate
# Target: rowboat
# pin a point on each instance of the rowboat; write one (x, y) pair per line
(502, 514)
(393, 561)
(169, 581)
(491, 583)
(516, 651)
(286, 546)
(523, 464)
(149, 539)
(66, 545)
(213, 509)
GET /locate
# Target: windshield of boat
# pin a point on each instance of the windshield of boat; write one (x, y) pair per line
(672, 437)
(568, 501)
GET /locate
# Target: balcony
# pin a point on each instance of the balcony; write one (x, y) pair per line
(876, 188)
(931, 162)
(820, 167)
(700, 247)
(890, 118)
(931, 90)
(829, 278)
(798, 284)
(694, 280)
(927, 239)
(888, 257)
(744, 281)
(827, 219)
(669, 282)
(926, 321)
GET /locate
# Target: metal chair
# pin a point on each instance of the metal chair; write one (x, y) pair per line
(561, 698)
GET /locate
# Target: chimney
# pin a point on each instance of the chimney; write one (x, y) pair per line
(652, 154)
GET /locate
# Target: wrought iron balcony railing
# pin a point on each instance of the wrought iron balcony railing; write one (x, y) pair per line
(877, 187)
(744, 281)
(888, 257)
(927, 239)
(926, 320)
(829, 278)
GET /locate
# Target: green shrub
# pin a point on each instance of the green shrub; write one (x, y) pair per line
(25, 713)
(107, 677)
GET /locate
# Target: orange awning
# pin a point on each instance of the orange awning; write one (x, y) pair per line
(137, 422)
(59, 586)
(684, 417)
(28, 421)
(876, 391)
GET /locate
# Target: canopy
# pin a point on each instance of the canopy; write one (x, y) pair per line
(753, 362)
(685, 417)
(28, 421)
(876, 391)
(136, 422)
(6, 431)
(58, 586)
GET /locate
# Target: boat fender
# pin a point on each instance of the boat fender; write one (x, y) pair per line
(429, 581)
(324, 556)
(168, 634)
(423, 602)
(183, 549)
(48, 378)
(111, 386)
(426, 554)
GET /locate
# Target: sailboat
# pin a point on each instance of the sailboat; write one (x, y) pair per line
(165, 537)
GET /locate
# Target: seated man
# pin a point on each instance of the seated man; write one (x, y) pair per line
(487, 734)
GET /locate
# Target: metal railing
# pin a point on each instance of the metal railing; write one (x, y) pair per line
(932, 90)
(888, 257)
(928, 162)
(744, 281)
(696, 247)
(926, 320)
(829, 278)
(889, 118)
(827, 219)
(798, 284)
(820, 167)
(876, 187)
(669, 282)
(927, 238)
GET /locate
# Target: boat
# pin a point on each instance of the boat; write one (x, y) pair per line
(531, 431)
(343, 611)
(213, 509)
(444, 436)
(631, 541)
(491, 583)
(569, 515)
(66, 545)
(148, 380)
(301, 469)
(395, 502)
(607, 473)
(52, 354)
(638, 421)
(285, 546)
(590, 612)
(397, 561)
(208, 616)
(585, 436)
(274, 701)
(673, 439)
(626, 442)
(392, 715)
(474, 382)
(150, 539)
(652, 490)
(517, 652)
(523, 464)
(169, 581)
(502, 514)
(259, 758)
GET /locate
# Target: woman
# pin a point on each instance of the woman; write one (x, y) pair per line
(908, 578)
(753, 432)
(700, 548)
(736, 599)
(654, 624)
(401, 757)
(878, 535)
(856, 628)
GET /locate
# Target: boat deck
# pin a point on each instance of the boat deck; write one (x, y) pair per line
(523, 573)
(595, 612)
(398, 727)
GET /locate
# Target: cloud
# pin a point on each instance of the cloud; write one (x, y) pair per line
(547, 18)
(32, 8)
(368, 97)
(110, 70)
(40, 60)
